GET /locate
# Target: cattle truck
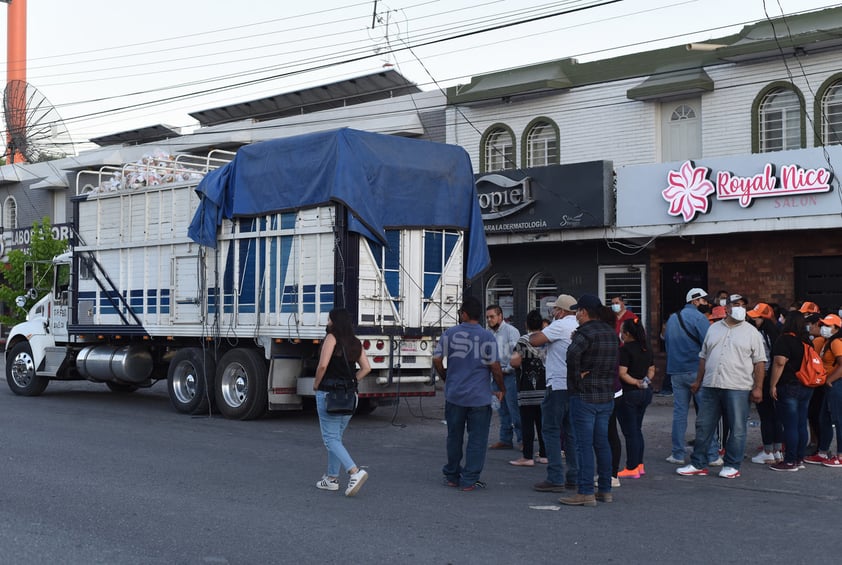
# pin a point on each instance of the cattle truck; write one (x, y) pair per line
(217, 273)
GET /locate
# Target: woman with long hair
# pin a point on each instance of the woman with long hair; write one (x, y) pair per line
(341, 352)
(637, 369)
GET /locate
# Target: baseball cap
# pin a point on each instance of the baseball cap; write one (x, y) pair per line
(718, 313)
(809, 307)
(563, 302)
(695, 293)
(831, 320)
(762, 310)
(736, 298)
(587, 301)
(812, 317)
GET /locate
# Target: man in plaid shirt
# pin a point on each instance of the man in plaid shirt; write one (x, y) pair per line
(591, 376)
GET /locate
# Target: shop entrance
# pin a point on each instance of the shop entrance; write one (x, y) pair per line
(676, 280)
(819, 280)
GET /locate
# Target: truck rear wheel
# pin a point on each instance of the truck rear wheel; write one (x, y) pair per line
(241, 384)
(20, 372)
(190, 380)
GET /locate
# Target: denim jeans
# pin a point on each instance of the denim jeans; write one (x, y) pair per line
(476, 420)
(333, 426)
(555, 419)
(590, 420)
(715, 403)
(509, 413)
(831, 414)
(630, 411)
(680, 411)
(791, 407)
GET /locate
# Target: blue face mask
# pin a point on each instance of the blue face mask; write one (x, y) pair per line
(615, 308)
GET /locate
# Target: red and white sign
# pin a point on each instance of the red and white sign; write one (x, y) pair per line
(690, 186)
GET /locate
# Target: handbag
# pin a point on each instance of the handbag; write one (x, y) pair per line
(341, 400)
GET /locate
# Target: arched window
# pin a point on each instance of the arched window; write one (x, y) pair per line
(542, 290)
(500, 291)
(780, 121)
(10, 214)
(541, 144)
(832, 115)
(683, 112)
(498, 148)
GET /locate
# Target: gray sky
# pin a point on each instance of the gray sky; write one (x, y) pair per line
(89, 61)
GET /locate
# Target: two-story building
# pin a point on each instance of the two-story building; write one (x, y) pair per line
(724, 159)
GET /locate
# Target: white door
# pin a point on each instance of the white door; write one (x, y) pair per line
(681, 125)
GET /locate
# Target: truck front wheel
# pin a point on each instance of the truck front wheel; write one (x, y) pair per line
(190, 380)
(241, 384)
(20, 372)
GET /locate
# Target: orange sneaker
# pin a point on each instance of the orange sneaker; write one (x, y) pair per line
(628, 474)
(641, 470)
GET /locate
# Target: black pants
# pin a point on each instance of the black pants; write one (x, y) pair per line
(530, 421)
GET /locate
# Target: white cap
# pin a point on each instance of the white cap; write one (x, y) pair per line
(695, 293)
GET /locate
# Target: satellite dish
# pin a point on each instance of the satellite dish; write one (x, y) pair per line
(35, 130)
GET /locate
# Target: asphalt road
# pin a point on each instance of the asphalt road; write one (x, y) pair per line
(90, 476)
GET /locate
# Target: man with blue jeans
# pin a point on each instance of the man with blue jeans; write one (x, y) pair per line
(683, 336)
(731, 370)
(555, 408)
(471, 354)
(591, 376)
(506, 336)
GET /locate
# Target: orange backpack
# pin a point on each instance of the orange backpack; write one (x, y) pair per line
(812, 372)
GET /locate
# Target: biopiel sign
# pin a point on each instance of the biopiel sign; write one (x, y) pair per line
(690, 187)
(539, 199)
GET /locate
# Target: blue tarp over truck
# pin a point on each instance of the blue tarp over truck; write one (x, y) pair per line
(385, 182)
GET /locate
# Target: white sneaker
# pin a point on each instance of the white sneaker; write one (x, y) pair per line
(675, 460)
(690, 470)
(358, 479)
(763, 458)
(729, 473)
(615, 482)
(326, 483)
(718, 462)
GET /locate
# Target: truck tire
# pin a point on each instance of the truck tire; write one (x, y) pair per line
(241, 384)
(20, 372)
(190, 380)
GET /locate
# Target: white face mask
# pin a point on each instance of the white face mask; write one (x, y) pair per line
(615, 308)
(738, 313)
(808, 327)
(723, 301)
(826, 331)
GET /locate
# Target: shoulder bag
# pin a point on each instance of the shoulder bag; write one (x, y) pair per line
(342, 398)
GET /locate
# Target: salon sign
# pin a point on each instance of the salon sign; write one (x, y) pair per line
(689, 187)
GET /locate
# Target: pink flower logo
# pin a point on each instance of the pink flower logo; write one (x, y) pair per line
(688, 191)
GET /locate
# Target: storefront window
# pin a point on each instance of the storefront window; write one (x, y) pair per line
(501, 292)
(542, 290)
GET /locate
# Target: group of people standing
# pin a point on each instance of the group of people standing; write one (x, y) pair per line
(564, 380)
(750, 356)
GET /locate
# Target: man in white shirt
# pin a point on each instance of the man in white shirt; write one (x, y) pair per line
(732, 365)
(555, 409)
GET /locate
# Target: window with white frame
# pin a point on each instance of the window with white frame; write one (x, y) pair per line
(501, 292)
(542, 290)
(683, 112)
(541, 145)
(832, 115)
(499, 151)
(628, 281)
(780, 121)
(10, 213)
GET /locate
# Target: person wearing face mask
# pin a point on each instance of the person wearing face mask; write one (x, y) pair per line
(721, 298)
(618, 306)
(817, 405)
(829, 347)
(732, 366)
(683, 337)
(771, 430)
